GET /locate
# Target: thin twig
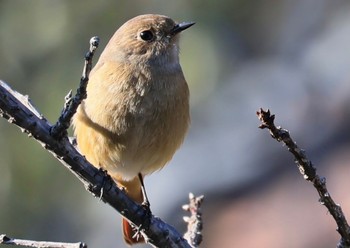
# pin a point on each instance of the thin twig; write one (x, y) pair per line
(5, 240)
(59, 130)
(194, 222)
(308, 171)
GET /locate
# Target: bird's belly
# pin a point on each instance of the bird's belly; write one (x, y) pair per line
(148, 144)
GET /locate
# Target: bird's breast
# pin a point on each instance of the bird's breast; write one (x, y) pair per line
(135, 124)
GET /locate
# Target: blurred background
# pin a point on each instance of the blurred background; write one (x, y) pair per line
(292, 56)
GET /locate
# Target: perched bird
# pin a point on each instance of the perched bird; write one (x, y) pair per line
(136, 113)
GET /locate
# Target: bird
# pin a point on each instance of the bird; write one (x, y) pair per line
(136, 113)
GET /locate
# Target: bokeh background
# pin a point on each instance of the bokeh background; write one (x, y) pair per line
(292, 56)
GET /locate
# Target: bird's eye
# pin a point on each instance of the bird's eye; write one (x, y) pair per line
(146, 35)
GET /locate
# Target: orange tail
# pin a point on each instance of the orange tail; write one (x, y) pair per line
(130, 235)
(133, 190)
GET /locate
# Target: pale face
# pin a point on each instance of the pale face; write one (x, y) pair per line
(147, 39)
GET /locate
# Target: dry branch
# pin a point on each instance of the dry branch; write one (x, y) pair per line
(194, 221)
(70, 106)
(308, 171)
(42, 244)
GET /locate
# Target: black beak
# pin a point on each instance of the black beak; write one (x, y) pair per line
(181, 27)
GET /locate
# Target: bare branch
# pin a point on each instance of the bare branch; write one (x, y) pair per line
(195, 221)
(70, 107)
(5, 240)
(159, 233)
(308, 171)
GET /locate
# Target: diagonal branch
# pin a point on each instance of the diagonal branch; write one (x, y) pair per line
(159, 233)
(308, 171)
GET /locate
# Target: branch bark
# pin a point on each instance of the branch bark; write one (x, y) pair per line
(194, 221)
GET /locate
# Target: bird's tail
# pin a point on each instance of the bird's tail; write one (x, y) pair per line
(133, 190)
(130, 234)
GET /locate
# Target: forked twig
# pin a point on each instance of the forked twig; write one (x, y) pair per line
(59, 130)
